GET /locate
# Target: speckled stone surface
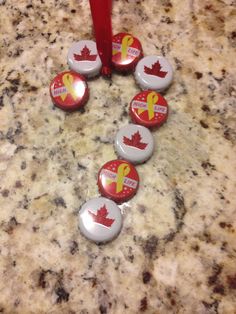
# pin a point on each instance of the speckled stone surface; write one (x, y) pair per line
(176, 252)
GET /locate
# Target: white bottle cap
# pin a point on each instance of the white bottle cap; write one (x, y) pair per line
(100, 220)
(83, 58)
(154, 72)
(134, 143)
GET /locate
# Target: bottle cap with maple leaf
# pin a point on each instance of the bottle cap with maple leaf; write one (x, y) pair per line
(69, 91)
(118, 180)
(149, 109)
(83, 58)
(100, 220)
(154, 73)
(126, 52)
(134, 143)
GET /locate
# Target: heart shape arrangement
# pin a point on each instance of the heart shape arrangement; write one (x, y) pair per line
(100, 219)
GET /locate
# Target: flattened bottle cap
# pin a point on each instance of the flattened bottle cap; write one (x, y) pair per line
(118, 180)
(69, 91)
(126, 52)
(134, 143)
(149, 109)
(154, 72)
(100, 220)
(83, 58)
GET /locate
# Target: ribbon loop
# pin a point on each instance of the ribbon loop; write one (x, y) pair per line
(122, 171)
(126, 43)
(152, 98)
(68, 80)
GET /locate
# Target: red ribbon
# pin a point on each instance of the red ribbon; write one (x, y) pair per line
(101, 15)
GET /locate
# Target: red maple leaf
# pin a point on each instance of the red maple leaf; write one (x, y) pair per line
(101, 217)
(155, 70)
(135, 141)
(85, 55)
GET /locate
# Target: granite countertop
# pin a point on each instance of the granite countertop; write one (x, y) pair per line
(176, 252)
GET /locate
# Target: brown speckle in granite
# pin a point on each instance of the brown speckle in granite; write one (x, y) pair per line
(93, 281)
(81, 167)
(204, 124)
(19, 36)
(170, 236)
(35, 229)
(42, 282)
(207, 237)
(219, 288)
(205, 108)
(33, 176)
(228, 134)
(102, 141)
(232, 38)
(173, 302)
(23, 165)
(1, 101)
(224, 225)
(141, 208)
(231, 280)
(146, 277)
(56, 242)
(208, 167)
(5, 193)
(11, 225)
(178, 63)
(130, 255)
(19, 148)
(29, 88)
(233, 34)
(195, 248)
(217, 269)
(198, 75)
(74, 247)
(179, 209)
(14, 82)
(150, 245)
(59, 201)
(213, 305)
(62, 295)
(18, 184)
(24, 203)
(143, 304)
(166, 19)
(208, 7)
(179, 200)
(102, 309)
(40, 196)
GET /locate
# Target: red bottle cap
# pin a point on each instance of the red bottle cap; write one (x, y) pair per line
(149, 109)
(69, 91)
(126, 52)
(118, 180)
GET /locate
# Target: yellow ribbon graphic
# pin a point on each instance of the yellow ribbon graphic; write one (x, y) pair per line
(122, 171)
(125, 44)
(68, 80)
(152, 98)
